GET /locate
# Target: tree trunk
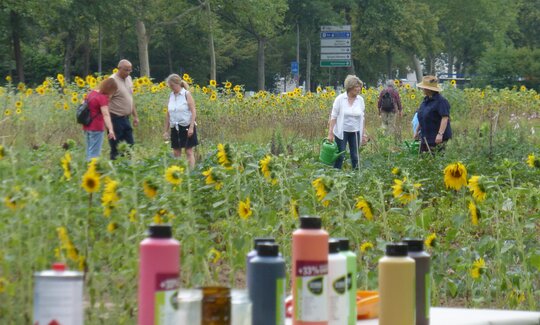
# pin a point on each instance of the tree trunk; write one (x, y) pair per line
(169, 58)
(260, 63)
(142, 43)
(308, 64)
(297, 76)
(15, 28)
(68, 55)
(86, 54)
(417, 68)
(450, 64)
(100, 37)
(389, 65)
(211, 49)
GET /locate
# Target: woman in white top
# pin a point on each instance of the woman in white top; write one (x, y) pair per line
(180, 119)
(347, 120)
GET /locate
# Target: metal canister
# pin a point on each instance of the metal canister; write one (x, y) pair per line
(58, 296)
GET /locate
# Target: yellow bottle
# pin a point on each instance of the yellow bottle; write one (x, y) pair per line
(396, 287)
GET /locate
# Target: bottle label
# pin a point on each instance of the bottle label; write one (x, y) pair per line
(428, 293)
(166, 299)
(310, 303)
(280, 298)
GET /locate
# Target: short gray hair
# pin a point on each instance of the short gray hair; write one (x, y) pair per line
(352, 81)
(390, 83)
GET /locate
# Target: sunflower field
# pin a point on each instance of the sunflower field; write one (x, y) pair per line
(477, 205)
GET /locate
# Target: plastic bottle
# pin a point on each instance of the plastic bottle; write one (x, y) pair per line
(267, 286)
(352, 272)
(309, 273)
(338, 299)
(253, 252)
(423, 279)
(396, 286)
(159, 277)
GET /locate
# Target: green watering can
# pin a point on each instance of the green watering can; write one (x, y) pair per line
(329, 152)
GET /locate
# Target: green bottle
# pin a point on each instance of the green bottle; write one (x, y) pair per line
(351, 278)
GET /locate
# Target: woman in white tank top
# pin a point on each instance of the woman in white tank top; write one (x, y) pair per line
(180, 124)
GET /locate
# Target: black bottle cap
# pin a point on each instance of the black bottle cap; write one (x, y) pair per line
(307, 222)
(396, 249)
(343, 244)
(414, 245)
(333, 245)
(259, 240)
(160, 231)
(268, 249)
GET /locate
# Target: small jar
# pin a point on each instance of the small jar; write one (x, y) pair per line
(216, 306)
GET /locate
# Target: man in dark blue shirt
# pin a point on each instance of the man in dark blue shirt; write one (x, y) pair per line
(433, 116)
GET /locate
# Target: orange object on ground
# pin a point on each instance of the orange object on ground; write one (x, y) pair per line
(367, 304)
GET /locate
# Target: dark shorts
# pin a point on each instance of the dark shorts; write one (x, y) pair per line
(179, 138)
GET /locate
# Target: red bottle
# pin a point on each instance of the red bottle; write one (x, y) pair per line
(159, 277)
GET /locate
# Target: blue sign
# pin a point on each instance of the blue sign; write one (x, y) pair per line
(294, 67)
(335, 34)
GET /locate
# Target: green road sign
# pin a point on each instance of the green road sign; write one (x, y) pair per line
(336, 63)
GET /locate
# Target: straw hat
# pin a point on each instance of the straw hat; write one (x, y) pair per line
(431, 83)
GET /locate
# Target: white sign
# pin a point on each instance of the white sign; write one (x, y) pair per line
(344, 28)
(335, 56)
(335, 42)
(335, 50)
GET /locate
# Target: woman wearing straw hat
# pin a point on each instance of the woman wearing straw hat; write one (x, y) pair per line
(434, 128)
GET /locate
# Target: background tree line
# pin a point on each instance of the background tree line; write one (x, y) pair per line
(252, 42)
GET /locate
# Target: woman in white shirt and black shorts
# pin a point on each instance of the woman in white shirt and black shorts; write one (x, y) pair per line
(180, 123)
(347, 121)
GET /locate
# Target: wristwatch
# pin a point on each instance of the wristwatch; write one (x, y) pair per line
(439, 133)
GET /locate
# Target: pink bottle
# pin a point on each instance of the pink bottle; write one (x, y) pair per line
(159, 277)
(310, 273)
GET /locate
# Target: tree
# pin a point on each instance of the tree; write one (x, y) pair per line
(259, 19)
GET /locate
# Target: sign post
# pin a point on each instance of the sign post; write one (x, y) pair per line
(336, 46)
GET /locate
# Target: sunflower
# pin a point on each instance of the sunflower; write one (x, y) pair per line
(111, 227)
(110, 196)
(533, 162)
(365, 247)
(91, 81)
(413, 96)
(476, 186)
(80, 82)
(149, 188)
(186, 76)
(61, 79)
(173, 175)
(66, 165)
(3, 281)
(407, 86)
(237, 88)
(396, 171)
(75, 99)
(319, 89)
(18, 104)
(11, 202)
(213, 83)
(239, 96)
(405, 191)
(132, 215)
(431, 240)
(478, 268)
(453, 82)
(244, 209)
(266, 169)
(523, 88)
(7, 112)
(396, 82)
(8, 78)
(321, 190)
(365, 207)
(293, 206)
(214, 255)
(228, 85)
(455, 176)
(475, 213)
(224, 155)
(2, 152)
(90, 181)
(211, 177)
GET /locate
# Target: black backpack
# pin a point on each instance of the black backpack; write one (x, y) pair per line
(83, 113)
(387, 102)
